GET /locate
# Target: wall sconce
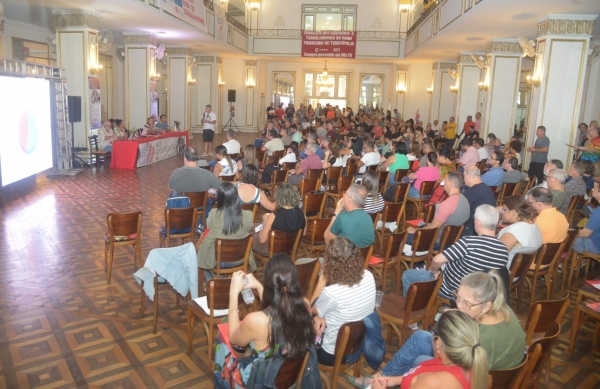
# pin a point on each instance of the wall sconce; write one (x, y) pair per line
(405, 5)
(534, 81)
(254, 4)
(192, 81)
(225, 5)
(221, 84)
(250, 85)
(454, 89)
(95, 70)
(154, 77)
(483, 86)
(430, 90)
(401, 89)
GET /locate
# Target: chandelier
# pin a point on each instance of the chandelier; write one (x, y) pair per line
(325, 81)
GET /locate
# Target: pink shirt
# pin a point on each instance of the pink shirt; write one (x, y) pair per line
(311, 162)
(470, 157)
(427, 173)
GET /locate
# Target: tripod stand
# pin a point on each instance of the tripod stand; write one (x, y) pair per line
(230, 121)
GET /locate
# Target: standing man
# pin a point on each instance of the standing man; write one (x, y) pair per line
(478, 122)
(450, 133)
(539, 155)
(163, 124)
(209, 119)
(279, 112)
(301, 113)
(271, 112)
(468, 126)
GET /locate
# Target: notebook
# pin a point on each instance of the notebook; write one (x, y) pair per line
(203, 303)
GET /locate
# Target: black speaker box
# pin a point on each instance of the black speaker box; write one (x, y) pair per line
(74, 109)
(231, 96)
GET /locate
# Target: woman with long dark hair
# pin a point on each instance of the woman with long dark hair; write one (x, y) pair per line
(228, 221)
(225, 166)
(282, 326)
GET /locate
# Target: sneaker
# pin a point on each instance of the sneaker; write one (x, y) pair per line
(414, 326)
(200, 229)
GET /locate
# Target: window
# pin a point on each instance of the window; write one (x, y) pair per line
(329, 17)
(31, 51)
(334, 86)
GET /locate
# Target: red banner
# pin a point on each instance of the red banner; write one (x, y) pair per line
(329, 44)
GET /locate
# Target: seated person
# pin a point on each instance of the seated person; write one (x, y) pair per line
(374, 202)
(163, 124)
(471, 253)
(287, 217)
(106, 137)
(429, 173)
(479, 144)
(589, 237)
(514, 150)
(494, 175)
(522, 235)
(149, 126)
(550, 221)
(351, 223)
(312, 161)
(225, 165)
(370, 157)
(444, 161)
(274, 143)
(512, 175)
(292, 154)
(576, 186)
(398, 160)
(249, 158)
(555, 182)
(455, 335)
(454, 211)
(282, 326)
(248, 190)
(482, 297)
(345, 293)
(312, 138)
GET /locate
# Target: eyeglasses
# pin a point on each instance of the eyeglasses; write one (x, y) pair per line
(468, 305)
(532, 202)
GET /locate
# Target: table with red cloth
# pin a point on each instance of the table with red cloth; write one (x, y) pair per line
(131, 154)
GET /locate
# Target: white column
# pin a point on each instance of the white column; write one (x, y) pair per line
(559, 75)
(401, 88)
(77, 35)
(206, 91)
(469, 99)
(500, 88)
(591, 109)
(443, 103)
(140, 76)
(181, 81)
(251, 110)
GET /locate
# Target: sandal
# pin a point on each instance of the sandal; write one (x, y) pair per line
(359, 382)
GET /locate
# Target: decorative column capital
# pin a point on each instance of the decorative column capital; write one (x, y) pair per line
(206, 59)
(180, 51)
(400, 67)
(139, 38)
(507, 45)
(250, 62)
(76, 18)
(443, 65)
(566, 25)
(467, 59)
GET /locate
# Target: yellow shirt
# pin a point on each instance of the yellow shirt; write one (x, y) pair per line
(553, 225)
(450, 130)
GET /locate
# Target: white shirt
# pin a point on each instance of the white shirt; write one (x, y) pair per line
(483, 153)
(227, 171)
(436, 128)
(209, 116)
(290, 157)
(232, 146)
(369, 159)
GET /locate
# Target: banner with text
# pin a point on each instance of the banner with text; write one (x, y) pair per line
(190, 11)
(220, 25)
(329, 44)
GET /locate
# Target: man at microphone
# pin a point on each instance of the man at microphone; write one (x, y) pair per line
(208, 133)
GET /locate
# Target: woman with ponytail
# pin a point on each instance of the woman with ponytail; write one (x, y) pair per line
(481, 296)
(283, 326)
(225, 166)
(460, 362)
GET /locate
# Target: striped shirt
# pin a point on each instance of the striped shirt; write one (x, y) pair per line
(340, 304)
(471, 254)
(370, 206)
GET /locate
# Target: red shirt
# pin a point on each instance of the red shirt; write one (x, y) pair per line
(432, 366)
(280, 112)
(467, 125)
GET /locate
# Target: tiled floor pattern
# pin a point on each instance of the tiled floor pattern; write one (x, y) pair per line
(63, 326)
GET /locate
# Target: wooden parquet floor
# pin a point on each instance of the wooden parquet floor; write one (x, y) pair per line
(63, 326)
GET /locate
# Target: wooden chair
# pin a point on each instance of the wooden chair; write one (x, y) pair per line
(547, 342)
(544, 267)
(278, 177)
(506, 190)
(396, 310)
(307, 276)
(575, 202)
(581, 309)
(288, 165)
(207, 167)
(383, 180)
(316, 173)
(423, 241)
(508, 378)
(576, 263)
(281, 242)
(563, 259)
(278, 153)
(392, 213)
(400, 173)
(98, 156)
(425, 191)
(259, 153)
(351, 168)
(314, 242)
(518, 272)
(372, 168)
(533, 355)
(217, 298)
(337, 193)
(401, 193)
(349, 340)
(366, 253)
(230, 178)
(530, 184)
(393, 244)
(124, 229)
(272, 160)
(231, 251)
(333, 177)
(291, 372)
(251, 207)
(312, 205)
(177, 219)
(198, 200)
(542, 314)
(482, 165)
(450, 235)
(308, 185)
(234, 156)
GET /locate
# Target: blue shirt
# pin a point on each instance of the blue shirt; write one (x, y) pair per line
(493, 177)
(319, 152)
(594, 225)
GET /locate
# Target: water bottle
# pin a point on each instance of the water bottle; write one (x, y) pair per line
(247, 293)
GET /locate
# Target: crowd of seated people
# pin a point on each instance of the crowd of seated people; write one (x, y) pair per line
(474, 268)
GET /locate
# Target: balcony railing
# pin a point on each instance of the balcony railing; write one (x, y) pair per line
(289, 33)
(209, 5)
(421, 18)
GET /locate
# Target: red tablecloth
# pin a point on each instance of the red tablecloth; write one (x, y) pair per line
(151, 149)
